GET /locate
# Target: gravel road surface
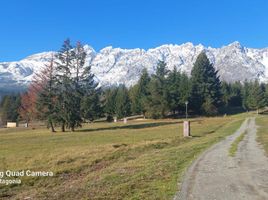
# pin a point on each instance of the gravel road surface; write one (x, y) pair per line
(216, 175)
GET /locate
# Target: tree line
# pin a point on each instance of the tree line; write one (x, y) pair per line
(65, 93)
(165, 93)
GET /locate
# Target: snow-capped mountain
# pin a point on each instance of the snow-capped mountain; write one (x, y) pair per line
(115, 65)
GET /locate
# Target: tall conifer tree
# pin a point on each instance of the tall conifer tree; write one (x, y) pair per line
(157, 103)
(110, 102)
(65, 95)
(47, 96)
(122, 102)
(139, 93)
(206, 87)
(173, 87)
(256, 96)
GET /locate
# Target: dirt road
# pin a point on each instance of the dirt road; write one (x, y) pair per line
(216, 175)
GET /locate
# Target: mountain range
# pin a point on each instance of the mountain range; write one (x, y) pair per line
(115, 65)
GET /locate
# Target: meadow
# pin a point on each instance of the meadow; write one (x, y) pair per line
(144, 159)
(262, 135)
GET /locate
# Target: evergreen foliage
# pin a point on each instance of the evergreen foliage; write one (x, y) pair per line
(206, 87)
(65, 93)
(91, 107)
(78, 96)
(157, 103)
(122, 102)
(87, 88)
(173, 96)
(256, 97)
(66, 98)
(68, 93)
(232, 94)
(110, 102)
(9, 108)
(179, 87)
(47, 96)
(139, 92)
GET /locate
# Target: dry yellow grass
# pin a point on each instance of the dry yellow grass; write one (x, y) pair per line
(140, 160)
(262, 122)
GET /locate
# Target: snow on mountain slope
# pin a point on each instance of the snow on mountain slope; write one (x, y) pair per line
(116, 65)
(19, 74)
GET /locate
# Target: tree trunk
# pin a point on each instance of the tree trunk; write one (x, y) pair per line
(52, 127)
(63, 127)
(72, 128)
(143, 115)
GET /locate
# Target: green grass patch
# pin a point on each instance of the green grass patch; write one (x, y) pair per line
(234, 145)
(262, 134)
(141, 160)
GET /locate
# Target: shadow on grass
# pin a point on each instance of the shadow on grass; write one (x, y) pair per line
(132, 126)
(232, 110)
(264, 113)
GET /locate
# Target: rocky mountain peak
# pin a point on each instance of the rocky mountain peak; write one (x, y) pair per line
(115, 65)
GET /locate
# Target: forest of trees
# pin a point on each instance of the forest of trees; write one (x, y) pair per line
(65, 93)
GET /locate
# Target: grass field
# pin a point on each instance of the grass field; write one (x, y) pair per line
(262, 122)
(234, 146)
(140, 160)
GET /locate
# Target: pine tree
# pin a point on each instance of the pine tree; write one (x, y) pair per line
(65, 95)
(91, 107)
(266, 93)
(9, 108)
(235, 94)
(232, 94)
(206, 87)
(184, 90)
(122, 104)
(173, 87)
(246, 95)
(256, 98)
(5, 108)
(157, 104)
(47, 97)
(135, 98)
(74, 90)
(110, 102)
(139, 93)
(261, 96)
(225, 90)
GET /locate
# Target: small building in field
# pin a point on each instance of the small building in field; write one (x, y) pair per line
(12, 124)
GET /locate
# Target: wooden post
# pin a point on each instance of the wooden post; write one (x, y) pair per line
(186, 129)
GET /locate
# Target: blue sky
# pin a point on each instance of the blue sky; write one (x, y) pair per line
(32, 26)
